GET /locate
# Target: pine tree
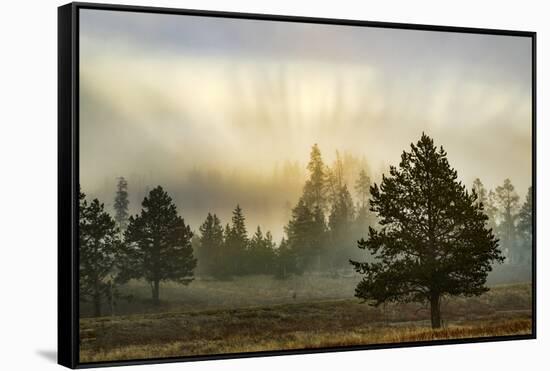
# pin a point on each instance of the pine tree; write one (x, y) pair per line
(236, 243)
(210, 245)
(261, 253)
(158, 244)
(341, 221)
(362, 188)
(525, 227)
(487, 199)
(334, 180)
(432, 240)
(364, 218)
(507, 202)
(286, 261)
(255, 247)
(268, 241)
(480, 191)
(315, 188)
(306, 235)
(98, 243)
(491, 210)
(121, 204)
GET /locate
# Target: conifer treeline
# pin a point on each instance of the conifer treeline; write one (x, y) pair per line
(321, 235)
(510, 220)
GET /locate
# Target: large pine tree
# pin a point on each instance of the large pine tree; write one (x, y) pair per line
(433, 240)
(158, 244)
(99, 240)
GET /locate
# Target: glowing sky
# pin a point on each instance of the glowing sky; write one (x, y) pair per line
(164, 95)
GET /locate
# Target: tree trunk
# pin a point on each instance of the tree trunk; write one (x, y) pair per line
(435, 311)
(155, 289)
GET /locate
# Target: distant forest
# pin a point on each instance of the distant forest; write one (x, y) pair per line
(321, 235)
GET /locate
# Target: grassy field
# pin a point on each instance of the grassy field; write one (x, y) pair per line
(237, 293)
(298, 324)
(250, 291)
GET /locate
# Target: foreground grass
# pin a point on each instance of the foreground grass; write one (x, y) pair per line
(307, 340)
(503, 311)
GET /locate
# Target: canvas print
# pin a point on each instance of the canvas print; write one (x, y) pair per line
(261, 185)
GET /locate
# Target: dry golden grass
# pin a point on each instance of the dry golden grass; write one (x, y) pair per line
(332, 323)
(307, 340)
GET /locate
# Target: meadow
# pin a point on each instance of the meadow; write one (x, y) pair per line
(260, 313)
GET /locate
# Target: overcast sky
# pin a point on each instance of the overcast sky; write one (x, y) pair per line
(165, 95)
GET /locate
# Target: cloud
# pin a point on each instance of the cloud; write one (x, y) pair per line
(155, 103)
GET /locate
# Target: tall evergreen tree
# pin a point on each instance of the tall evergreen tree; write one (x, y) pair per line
(211, 245)
(362, 188)
(364, 218)
(488, 200)
(306, 234)
(334, 180)
(98, 243)
(507, 201)
(491, 210)
(121, 204)
(261, 253)
(315, 188)
(158, 244)
(268, 241)
(480, 191)
(525, 228)
(286, 261)
(432, 240)
(236, 243)
(341, 221)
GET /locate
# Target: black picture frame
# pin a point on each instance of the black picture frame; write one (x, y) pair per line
(68, 177)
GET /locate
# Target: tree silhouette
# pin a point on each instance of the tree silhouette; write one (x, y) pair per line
(334, 180)
(306, 234)
(488, 201)
(341, 225)
(362, 187)
(261, 253)
(121, 204)
(432, 240)
(480, 191)
(525, 227)
(507, 202)
(158, 244)
(98, 238)
(236, 243)
(211, 245)
(286, 261)
(315, 188)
